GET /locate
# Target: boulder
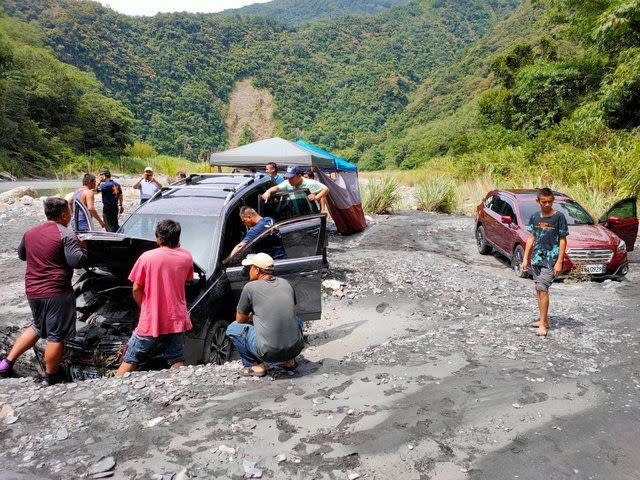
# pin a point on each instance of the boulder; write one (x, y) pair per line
(26, 200)
(17, 193)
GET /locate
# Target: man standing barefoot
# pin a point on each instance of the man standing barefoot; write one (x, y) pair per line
(545, 251)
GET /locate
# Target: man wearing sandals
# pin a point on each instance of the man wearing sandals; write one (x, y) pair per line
(545, 251)
(276, 333)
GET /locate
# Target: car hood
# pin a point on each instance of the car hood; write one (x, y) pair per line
(117, 253)
(591, 236)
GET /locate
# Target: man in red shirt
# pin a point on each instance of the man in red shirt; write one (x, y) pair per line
(51, 251)
(158, 279)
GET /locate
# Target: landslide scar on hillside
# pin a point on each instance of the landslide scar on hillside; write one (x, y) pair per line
(250, 116)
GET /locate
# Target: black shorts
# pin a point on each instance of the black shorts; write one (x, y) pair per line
(54, 318)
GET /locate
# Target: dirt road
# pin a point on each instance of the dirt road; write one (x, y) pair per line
(425, 369)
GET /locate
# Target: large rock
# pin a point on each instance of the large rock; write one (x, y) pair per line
(17, 193)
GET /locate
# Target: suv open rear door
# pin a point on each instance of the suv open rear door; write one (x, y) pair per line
(622, 219)
(304, 241)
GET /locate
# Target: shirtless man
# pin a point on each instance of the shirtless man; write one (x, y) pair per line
(83, 205)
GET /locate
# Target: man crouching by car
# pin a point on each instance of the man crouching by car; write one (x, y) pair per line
(159, 278)
(276, 333)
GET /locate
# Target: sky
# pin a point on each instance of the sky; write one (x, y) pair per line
(151, 7)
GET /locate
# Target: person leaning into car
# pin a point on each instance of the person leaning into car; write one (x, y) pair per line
(295, 181)
(276, 333)
(270, 244)
(159, 278)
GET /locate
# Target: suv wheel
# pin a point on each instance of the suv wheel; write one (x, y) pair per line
(217, 346)
(481, 241)
(516, 261)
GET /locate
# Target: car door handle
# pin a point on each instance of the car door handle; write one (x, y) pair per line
(309, 274)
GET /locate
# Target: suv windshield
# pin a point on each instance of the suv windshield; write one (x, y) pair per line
(196, 236)
(573, 212)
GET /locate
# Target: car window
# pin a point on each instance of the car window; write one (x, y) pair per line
(624, 211)
(509, 212)
(573, 212)
(497, 205)
(234, 231)
(196, 236)
(290, 241)
(285, 205)
(488, 201)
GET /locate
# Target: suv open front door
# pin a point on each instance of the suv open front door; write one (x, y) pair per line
(622, 219)
(304, 241)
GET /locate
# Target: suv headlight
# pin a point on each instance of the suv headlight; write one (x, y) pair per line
(622, 247)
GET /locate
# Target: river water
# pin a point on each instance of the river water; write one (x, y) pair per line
(45, 188)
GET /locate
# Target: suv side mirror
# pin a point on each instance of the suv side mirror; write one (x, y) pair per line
(613, 220)
(506, 219)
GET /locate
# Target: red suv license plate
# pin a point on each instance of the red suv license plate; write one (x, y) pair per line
(593, 269)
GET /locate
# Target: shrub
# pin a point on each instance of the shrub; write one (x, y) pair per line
(437, 195)
(140, 150)
(381, 196)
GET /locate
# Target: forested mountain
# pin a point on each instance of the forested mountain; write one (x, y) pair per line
(301, 11)
(51, 111)
(335, 82)
(556, 103)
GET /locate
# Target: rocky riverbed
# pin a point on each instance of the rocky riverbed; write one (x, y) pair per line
(423, 366)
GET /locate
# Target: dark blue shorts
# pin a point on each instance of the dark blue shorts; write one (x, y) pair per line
(141, 349)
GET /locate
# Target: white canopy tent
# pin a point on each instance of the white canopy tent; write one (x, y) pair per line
(278, 150)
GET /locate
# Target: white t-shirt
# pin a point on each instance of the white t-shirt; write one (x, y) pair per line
(147, 189)
(313, 186)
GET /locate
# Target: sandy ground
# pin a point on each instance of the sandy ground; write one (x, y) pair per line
(425, 369)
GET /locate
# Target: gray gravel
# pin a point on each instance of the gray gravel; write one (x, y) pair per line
(423, 367)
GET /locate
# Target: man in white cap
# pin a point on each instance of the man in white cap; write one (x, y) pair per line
(276, 333)
(147, 185)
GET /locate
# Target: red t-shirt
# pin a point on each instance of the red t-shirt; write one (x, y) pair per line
(163, 272)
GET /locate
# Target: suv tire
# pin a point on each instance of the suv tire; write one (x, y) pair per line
(217, 345)
(516, 262)
(481, 241)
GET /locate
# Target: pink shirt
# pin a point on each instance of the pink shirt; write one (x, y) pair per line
(163, 272)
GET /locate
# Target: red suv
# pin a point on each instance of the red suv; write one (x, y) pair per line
(598, 249)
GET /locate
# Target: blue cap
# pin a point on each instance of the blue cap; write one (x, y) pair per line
(292, 171)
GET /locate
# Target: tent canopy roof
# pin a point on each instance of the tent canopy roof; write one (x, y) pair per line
(278, 150)
(341, 164)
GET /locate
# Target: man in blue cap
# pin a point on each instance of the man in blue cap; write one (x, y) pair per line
(295, 181)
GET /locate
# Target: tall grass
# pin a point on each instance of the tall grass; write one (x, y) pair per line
(161, 164)
(381, 195)
(437, 195)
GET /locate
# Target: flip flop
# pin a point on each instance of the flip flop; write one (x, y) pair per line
(292, 367)
(250, 372)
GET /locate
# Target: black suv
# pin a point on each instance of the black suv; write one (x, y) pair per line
(207, 207)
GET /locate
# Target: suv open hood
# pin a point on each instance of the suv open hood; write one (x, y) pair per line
(117, 253)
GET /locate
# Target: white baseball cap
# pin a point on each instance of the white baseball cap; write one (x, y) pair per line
(260, 260)
(148, 169)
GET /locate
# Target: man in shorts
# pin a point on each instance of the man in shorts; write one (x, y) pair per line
(159, 278)
(51, 251)
(267, 328)
(545, 249)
